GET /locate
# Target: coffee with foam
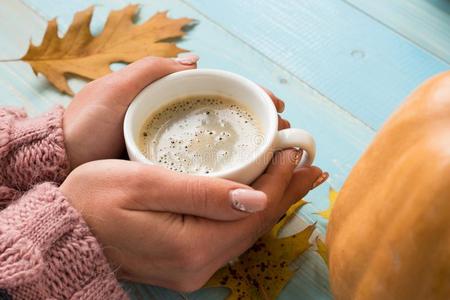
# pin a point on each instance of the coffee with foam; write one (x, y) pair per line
(201, 134)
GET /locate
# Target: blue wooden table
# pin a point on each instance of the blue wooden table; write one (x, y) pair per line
(341, 65)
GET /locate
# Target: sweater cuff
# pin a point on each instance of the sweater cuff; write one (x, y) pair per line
(48, 251)
(32, 150)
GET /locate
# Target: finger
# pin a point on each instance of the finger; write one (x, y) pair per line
(273, 183)
(279, 104)
(282, 123)
(250, 229)
(126, 83)
(213, 198)
(276, 179)
(302, 182)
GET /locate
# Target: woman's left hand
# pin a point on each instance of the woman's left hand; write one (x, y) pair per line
(94, 119)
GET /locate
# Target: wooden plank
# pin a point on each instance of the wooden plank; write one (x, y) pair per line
(341, 137)
(363, 66)
(424, 22)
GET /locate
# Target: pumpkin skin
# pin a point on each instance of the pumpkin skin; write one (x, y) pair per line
(389, 231)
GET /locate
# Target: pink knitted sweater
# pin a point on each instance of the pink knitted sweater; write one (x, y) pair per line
(46, 249)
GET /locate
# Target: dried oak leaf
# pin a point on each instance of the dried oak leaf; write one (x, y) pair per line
(332, 195)
(82, 54)
(263, 270)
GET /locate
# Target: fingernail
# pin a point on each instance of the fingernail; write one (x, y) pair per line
(322, 178)
(297, 156)
(288, 124)
(282, 106)
(187, 59)
(248, 200)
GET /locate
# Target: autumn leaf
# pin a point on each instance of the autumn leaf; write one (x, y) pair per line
(82, 54)
(263, 270)
(332, 195)
(322, 250)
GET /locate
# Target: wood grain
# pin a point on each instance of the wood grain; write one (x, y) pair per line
(423, 22)
(363, 66)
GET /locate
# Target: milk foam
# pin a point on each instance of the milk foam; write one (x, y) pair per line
(201, 135)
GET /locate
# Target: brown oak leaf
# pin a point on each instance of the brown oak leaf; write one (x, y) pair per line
(263, 270)
(88, 56)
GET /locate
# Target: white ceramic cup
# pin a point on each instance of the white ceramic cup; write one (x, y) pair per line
(218, 82)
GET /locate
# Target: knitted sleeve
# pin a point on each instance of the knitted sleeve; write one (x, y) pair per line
(31, 151)
(48, 252)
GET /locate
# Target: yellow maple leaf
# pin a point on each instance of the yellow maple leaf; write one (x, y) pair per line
(82, 54)
(263, 270)
(322, 249)
(332, 195)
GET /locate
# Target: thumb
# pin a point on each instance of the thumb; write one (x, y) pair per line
(202, 196)
(126, 83)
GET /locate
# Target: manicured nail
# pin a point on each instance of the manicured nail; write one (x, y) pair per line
(288, 124)
(187, 59)
(297, 156)
(281, 106)
(248, 200)
(322, 178)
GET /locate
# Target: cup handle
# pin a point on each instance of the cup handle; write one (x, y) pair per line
(294, 137)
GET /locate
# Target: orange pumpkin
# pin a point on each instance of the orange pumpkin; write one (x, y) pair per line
(389, 231)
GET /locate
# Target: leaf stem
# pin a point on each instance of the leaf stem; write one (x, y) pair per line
(9, 60)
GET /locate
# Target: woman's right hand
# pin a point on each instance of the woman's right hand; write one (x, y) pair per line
(175, 230)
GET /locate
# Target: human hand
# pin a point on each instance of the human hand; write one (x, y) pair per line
(175, 230)
(93, 121)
